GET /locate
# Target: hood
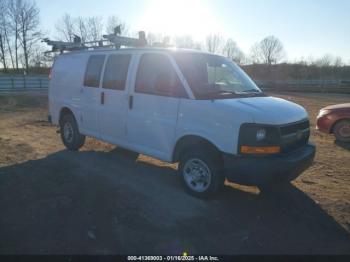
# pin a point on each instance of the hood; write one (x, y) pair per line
(340, 106)
(268, 110)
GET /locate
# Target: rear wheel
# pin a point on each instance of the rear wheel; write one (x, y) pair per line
(70, 135)
(201, 172)
(342, 131)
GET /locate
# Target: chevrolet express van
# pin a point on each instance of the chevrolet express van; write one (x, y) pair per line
(181, 106)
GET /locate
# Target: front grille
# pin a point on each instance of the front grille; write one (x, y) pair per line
(295, 136)
(293, 128)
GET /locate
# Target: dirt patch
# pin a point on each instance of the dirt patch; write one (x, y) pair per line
(10, 103)
(13, 152)
(104, 200)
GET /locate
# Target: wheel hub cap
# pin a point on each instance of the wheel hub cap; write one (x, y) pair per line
(345, 131)
(68, 132)
(197, 175)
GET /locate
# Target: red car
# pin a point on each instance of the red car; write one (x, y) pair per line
(335, 120)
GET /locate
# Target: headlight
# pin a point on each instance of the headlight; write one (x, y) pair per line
(261, 135)
(259, 139)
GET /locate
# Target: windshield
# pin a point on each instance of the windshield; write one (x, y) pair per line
(211, 76)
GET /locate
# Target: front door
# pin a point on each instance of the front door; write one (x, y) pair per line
(114, 99)
(153, 106)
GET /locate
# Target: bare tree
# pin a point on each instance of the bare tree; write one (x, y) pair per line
(254, 55)
(301, 61)
(325, 61)
(5, 31)
(3, 11)
(185, 41)
(81, 28)
(214, 43)
(158, 40)
(39, 58)
(232, 51)
(94, 28)
(3, 52)
(268, 51)
(29, 34)
(88, 28)
(338, 62)
(14, 11)
(151, 38)
(65, 28)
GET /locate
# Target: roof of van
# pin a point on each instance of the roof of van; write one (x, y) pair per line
(169, 50)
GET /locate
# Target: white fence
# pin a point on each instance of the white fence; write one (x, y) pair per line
(324, 86)
(17, 83)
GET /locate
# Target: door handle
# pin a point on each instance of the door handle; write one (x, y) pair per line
(131, 102)
(102, 98)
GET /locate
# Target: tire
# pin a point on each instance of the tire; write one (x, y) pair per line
(200, 170)
(70, 135)
(342, 131)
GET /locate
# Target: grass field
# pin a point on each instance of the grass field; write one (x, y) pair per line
(103, 201)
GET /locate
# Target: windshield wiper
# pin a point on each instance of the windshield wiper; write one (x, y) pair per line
(251, 93)
(216, 93)
(223, 92)
(254, 91)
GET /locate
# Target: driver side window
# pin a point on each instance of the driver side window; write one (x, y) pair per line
(157, 76)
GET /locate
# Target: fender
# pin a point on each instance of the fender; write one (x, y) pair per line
(194, 138)
(74, 109)
(224, 142)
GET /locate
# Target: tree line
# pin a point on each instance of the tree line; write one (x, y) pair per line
(21, 48)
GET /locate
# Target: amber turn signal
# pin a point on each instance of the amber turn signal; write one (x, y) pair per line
(260, 150)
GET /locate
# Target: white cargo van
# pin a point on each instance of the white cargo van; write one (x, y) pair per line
(185, 106)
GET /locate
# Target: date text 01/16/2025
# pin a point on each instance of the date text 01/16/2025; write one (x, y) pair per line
(173, 258)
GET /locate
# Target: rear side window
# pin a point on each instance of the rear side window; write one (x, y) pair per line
(157, 76)
(93, 70)
(116, 72)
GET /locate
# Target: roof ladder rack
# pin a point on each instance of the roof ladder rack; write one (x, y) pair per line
(111, 40)
(120, 41)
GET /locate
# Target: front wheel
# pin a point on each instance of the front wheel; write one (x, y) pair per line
(342, 131)
(201, 172)
(70, 135)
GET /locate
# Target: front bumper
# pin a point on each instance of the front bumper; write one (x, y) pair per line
(248, 170)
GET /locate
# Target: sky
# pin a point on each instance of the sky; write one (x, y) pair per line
(308, 29)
